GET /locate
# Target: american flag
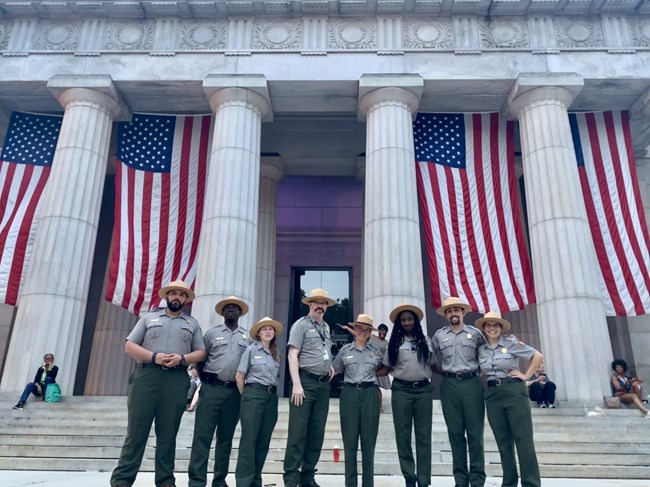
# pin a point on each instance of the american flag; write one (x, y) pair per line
(468, 195)
(25, 164)
(160, 185)
(603, 145)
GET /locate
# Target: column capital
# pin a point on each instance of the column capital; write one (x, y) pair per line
(375, 88)
(272, 167)
(534, 87)
(252, 88)
(97, 88)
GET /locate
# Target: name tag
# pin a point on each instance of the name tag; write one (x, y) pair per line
(243, 335)
(257, 357)
(349, 356)
(219, 338)
(155, 320)
(326, 356)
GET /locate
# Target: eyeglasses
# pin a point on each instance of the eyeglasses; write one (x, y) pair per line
(48, 357)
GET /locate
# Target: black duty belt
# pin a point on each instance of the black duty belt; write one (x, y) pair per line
(269, 389)
(319, 378)
(360, 385)
(415, 385)
(211, 378)
(460, 375)
(149, 365)
(499, 382)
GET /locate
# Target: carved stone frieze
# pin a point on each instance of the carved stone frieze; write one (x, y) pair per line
(5, 33)
(640, 31)
(509, 33)
(204, 36)
(132, 36)
(578, 32)
(352, 34)
(428, 34)
(57, 36)
(278, 35)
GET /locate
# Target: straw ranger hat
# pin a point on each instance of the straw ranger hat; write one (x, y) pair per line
(406, 307)
(363, 320)
(493, 316)
(178, 286)
(231, 300)
(266, 321)
(453, 302)
(318, 294)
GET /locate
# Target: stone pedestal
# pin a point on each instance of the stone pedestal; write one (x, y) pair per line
(392, 253)
(228, 247)
(50, 316)
(572, 324)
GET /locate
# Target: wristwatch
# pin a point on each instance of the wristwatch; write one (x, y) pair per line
(182, 362)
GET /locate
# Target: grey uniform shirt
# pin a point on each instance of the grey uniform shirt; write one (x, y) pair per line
(313, 343)
(459, 351)
(159, 332)
(225, 348)
(498, 361)
(259, 366)
(408, 367)
(359, 365)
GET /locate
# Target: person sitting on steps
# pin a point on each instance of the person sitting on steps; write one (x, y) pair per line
(46, 374)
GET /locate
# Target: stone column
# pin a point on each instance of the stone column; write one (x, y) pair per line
(572, 324)
(392, 253)
(50, 315)
(228, 247)
(271, 173)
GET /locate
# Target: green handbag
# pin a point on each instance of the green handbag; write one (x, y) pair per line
(52, 393)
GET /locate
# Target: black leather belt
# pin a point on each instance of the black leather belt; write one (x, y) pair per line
(319, 378)
(360, 385)
(460, 375)
(269, 389)
(211, 378)
(505, 380)
(149, 365)
(415, 385)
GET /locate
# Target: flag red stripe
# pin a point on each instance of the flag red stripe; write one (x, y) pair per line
(145, 229)
(11, 174)
(21, 195)
(182, 194)
(467, 210)
(115, 247)
(130, 251)
(428, 235)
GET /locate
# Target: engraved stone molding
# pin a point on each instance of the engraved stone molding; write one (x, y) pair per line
(165, 36)
(315, 35)
(240, 36)
(616, 32)
(203, 36)
(93, 33)
(428, 34)
(578, 32)
(56, 36)
(278, 36)
(510, 33)
(5, 34)
(389, 35)
(466, 35)
(541, 33)
(352, 34)
(640, 27)
(132, 36)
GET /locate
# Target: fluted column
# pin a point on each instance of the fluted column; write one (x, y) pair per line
(228, 247)
(271, 172)
(572, 324)
(52, 305)
(392, 253)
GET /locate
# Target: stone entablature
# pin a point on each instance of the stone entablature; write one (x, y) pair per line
(310, 35)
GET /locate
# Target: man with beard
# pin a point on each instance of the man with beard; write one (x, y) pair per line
(310, 367)
(163, 342)
(461, 392)
(219, 398)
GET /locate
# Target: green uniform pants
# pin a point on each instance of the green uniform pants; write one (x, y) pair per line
(463, 407)
(359, 413)
(259, 413)
(153, 393)
(218, 408)
(508, 410)
(413, 410)
(306, 431)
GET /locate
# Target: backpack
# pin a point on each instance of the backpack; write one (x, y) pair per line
(52, 393)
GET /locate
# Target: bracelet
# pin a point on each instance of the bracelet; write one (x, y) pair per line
(153, 357)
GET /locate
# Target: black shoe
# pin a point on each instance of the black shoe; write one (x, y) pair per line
(410, 483)
(20, 405)
(312, 484)
(291, 484)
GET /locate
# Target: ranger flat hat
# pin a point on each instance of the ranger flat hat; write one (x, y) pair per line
(266, 321)
(406, 307)
(178, 286)
(231, 300)
(363, 320)
(453, 302)
(493, 316)
(318, 295)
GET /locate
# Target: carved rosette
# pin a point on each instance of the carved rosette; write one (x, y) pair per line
(205, 36)
(574, 32)
(130, 37)
(507, 33)
(5, 33)
(54, 36)
(353, 34)
(640, 31)
(278, 35)
(428, 35)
